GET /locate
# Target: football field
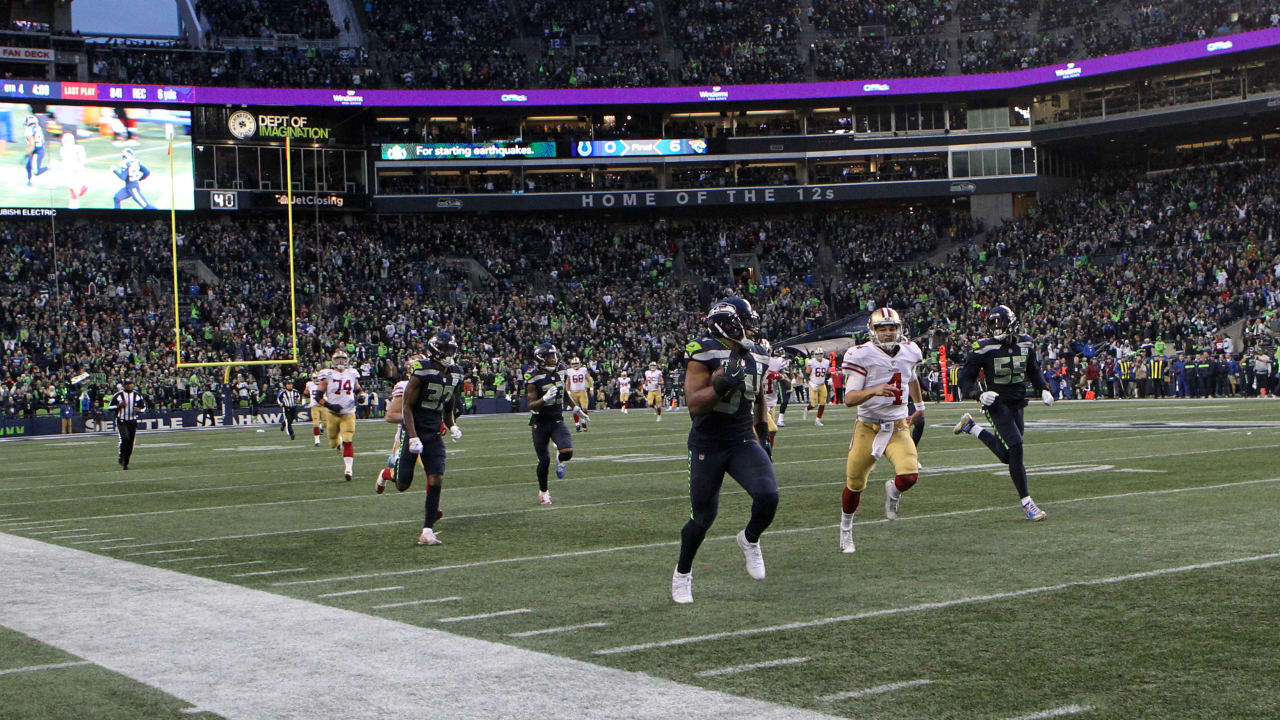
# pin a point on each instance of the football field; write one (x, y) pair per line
(230, 573)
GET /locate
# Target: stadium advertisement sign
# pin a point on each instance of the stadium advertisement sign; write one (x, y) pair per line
(638, 148)
(498, 150)
(744, 196)
(23, 54)
(1045, 75)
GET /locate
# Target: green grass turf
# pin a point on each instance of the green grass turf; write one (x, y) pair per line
(82, 691)
(1197, 643)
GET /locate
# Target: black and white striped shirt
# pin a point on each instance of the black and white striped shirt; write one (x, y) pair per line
(127, 405)
(288, 398)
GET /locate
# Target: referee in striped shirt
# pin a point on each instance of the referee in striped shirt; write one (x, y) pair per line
(127, 404)
(288, 399)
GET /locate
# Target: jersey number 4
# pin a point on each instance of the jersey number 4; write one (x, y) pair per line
(895, 382)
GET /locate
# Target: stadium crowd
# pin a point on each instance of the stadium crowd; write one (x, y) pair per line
(1180, 256)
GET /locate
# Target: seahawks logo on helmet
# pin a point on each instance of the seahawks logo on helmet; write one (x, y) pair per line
(547, 355)
(1001, 320)
(732, 319)
(31, 120)
(442, 347)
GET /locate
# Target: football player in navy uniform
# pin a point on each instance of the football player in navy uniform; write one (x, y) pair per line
(34, 158)
(724, 389)
(1009, 363)
(132, 173)
(544, 389)
(435, 384)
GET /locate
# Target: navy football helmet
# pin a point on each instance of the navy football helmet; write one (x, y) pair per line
(547, 356)
(1001, 321)
(732, 319)
(442, 347)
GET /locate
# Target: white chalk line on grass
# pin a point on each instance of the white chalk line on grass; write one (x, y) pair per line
(187, 559)
(1055, 712)
(361, 592)
(269, 572)
(104, 540)
(340, 498)
(723, 538)
(922, 607)
(227, 565)
(55, 532)
(743, 668)
(555, 630)
(79, 536)
(39, 668)
(877, 690)
(485, 616)
(159, 552)
(410, 603)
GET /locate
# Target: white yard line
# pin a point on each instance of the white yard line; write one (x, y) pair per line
(158, 552)
(561, 629)
(269, 572)
(234, 564)
(185, 559)
(414, 602)
(753, 666)
(360, 592)
(103, 540)
(77, 537)
(121, 617)
(804, 624)
(877, 690)
(55, 532)
(39, 668)
(484, 616)
(723, 538)
(1056, 712)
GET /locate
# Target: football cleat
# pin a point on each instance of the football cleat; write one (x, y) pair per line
(682, 587)
(846, 541)
(781, 422)
(562, 469)
(751, 551)
(544, 497)
(381, 485)
(818, 422)
(891, 499)
(347, 476)
(965, 425)
(1033, 512)
(428, 537)
(806, 415)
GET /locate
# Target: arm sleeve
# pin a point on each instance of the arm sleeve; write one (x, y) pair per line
(855, 380)
(969, 375)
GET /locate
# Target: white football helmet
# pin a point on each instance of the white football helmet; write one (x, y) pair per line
(340, 359)
(885, 328)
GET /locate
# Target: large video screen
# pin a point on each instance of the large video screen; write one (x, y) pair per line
(95, 158)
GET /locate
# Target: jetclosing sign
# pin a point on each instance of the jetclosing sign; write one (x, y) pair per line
(638, 148)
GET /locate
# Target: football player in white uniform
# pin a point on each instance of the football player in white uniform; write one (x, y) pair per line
(776, 387)
(879, 374)
(316, 409)
(578, 379)
(395, 414)
(75, 163)
(337, 392)
(653, 388)
(819, 370)
(624, 391)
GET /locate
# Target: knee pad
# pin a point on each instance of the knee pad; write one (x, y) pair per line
(905, 481)
(566, 455)
(855, 484)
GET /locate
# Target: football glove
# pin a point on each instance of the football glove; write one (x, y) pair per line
(1046, 397)
(585, 417)
(415, 446)
(733, 378)
(334, 408)
(456, 433)
(988, 398)
(550, 394)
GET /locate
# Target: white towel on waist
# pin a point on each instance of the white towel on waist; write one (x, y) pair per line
(882, 439)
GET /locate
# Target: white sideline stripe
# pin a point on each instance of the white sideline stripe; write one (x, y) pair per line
(16, 519)
(873, 690)
(103, 540)
(341, 498)
(269, 572)
(933, 605)
(77, 537)
(361, 592)
(414, 602)
(1056, 712)
(563, 628)
(157, 552)
(482, 616)
(38, 668)
(753, 666)
(121, 617)
(234, 564)
(185, 559)
(722, 538)
(55, 532)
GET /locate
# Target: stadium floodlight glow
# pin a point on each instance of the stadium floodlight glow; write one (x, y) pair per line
(293, 304)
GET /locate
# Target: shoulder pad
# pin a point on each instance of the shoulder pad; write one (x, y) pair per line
(419, 368)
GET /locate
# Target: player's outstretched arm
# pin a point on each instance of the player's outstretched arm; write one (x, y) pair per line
(395, 410)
